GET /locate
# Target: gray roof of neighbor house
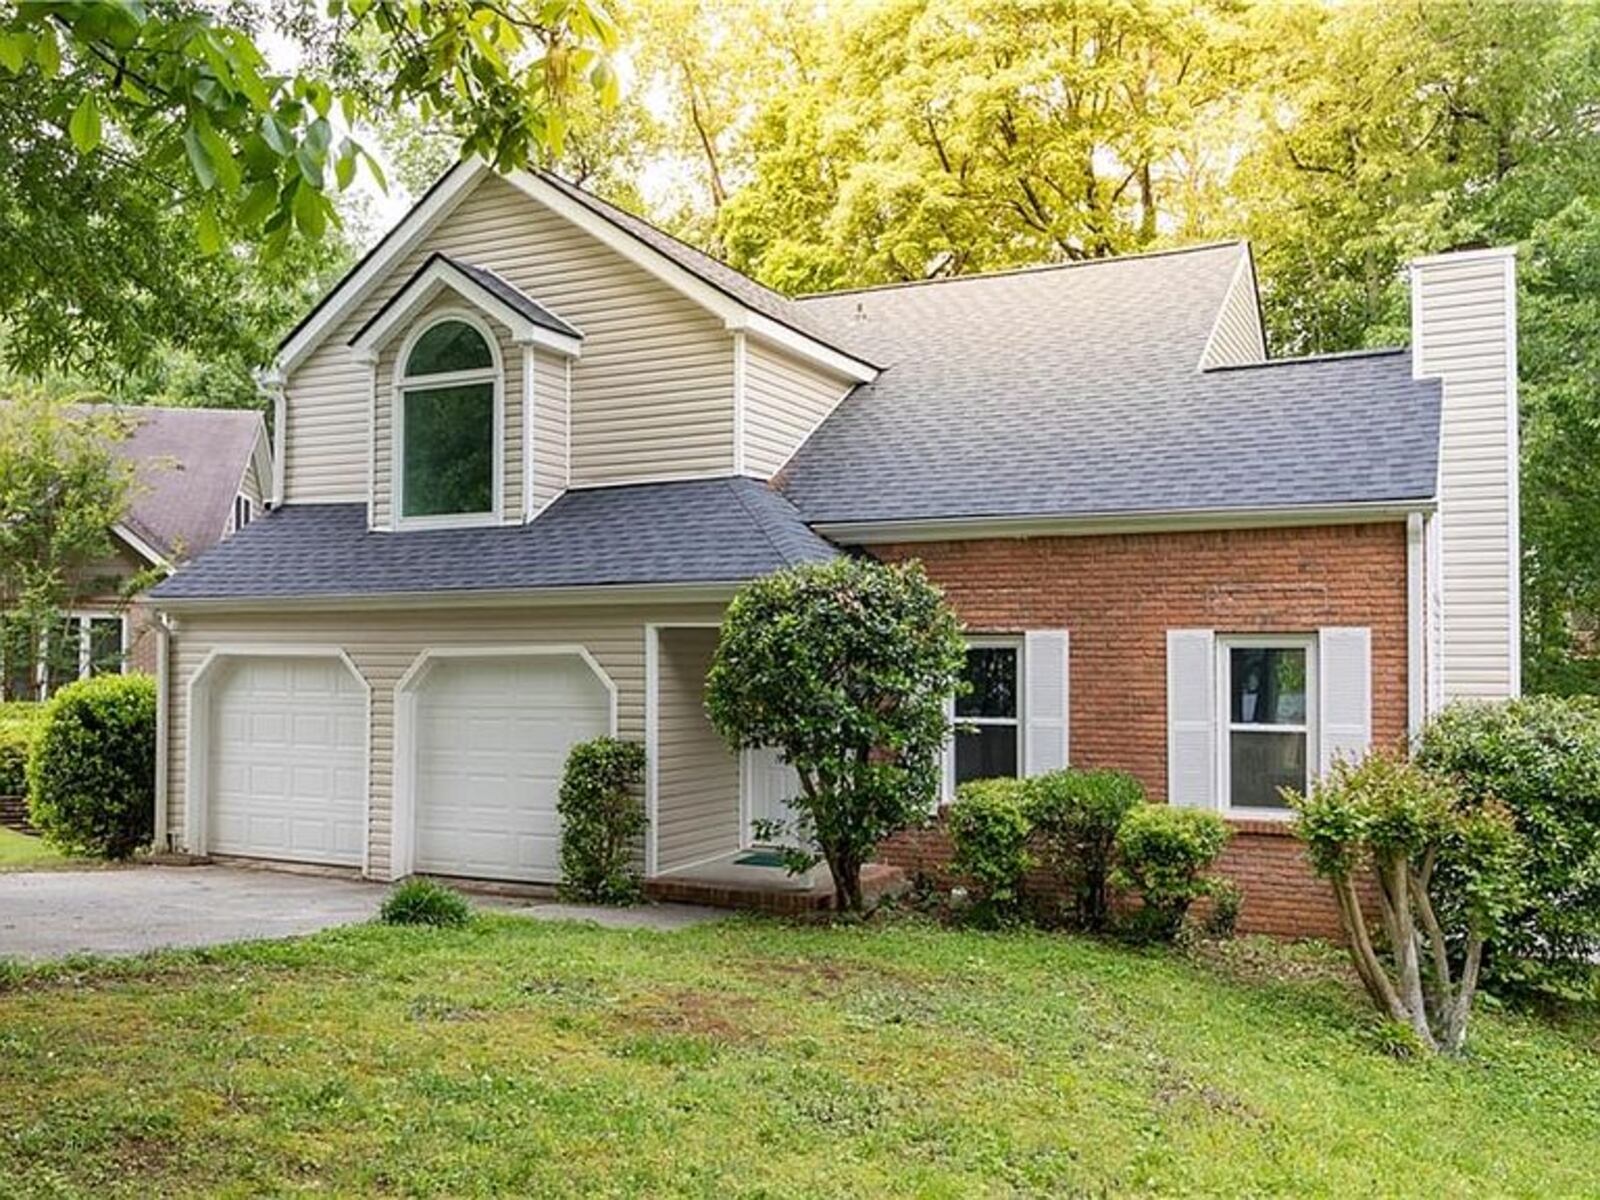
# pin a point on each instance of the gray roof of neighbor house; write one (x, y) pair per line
(188, 465)
(513, 296)
(1076, 391)
(698, 531)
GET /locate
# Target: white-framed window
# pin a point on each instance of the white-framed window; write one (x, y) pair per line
(244, 511)
(447, 424)
(77, 646)
(1267, 698)
(989, 717)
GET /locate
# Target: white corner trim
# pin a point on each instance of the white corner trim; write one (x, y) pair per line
(280, 423)
(439, 276)
(1416, 615)
(163, 727)
(652, 750)
(566, 432)
(197, 759)
(372, 446)
(530, 367)
(740, 366)
(451, 189)
(403, 820)
(1513, 480)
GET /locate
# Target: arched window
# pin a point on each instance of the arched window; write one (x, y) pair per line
(448, 423)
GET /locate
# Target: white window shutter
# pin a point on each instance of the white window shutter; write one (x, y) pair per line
(1192, 718)
(1344, 694)
(1046, 699)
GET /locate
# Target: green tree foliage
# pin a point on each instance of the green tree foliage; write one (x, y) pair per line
(62, 488)
(1416, 834)
(142, 140)
(845, 668)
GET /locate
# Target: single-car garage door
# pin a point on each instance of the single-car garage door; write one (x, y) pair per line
(287, 760)
(492, 736)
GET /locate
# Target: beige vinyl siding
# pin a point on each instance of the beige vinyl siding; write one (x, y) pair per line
(784, 400)
(383, 645)
(549, 427)
(697, 777)
(652, 395)
(1462, 312)
(1237, 337)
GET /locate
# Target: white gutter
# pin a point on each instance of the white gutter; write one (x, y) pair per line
(1151, 521)
(163, 725)
(673, 593)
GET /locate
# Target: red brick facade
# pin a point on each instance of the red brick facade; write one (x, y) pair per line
(1118, 595)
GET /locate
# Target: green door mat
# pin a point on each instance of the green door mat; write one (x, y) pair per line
(760, 858)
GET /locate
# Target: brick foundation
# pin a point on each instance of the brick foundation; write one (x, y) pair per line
(1119, 594)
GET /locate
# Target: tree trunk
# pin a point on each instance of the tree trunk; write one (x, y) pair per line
(846, 881)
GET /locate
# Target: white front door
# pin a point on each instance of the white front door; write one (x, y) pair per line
(287, 772)
(492, 736)
(769, 785)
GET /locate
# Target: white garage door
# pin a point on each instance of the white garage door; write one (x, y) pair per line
(288, 749)
(492, 739)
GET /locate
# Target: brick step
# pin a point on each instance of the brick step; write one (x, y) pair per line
(877, 881)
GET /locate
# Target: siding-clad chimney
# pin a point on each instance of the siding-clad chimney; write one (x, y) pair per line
(1463, 331)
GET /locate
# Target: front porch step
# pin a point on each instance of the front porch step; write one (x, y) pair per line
(877, 881)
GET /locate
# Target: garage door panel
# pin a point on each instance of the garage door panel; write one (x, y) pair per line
(288, 761)
(492, 740)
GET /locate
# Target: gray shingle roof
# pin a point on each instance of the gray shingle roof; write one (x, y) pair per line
(188, 464)
(698, 531)
(1075, 391)
(508, 293)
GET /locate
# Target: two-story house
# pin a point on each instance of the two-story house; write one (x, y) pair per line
(530, 445)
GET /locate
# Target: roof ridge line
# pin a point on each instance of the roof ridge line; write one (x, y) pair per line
(731, 482)
(1031, 269)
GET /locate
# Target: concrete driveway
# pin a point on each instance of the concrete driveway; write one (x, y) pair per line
(51, 914)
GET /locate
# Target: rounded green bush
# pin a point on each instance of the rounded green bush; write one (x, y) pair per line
(1163, 853)
(602, 818)
(989, 828)
(1076, 815)
(92, 770)
(425, 902)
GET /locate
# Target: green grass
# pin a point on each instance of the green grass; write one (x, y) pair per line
(757, 1059)
(19, 852)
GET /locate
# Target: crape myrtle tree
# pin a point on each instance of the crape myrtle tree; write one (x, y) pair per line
(846, 668)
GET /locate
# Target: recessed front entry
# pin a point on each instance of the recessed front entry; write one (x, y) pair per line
(491, 740)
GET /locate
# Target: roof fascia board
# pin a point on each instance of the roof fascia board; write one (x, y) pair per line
(661, 593)
(427, 284)
(141, 547)
(774, 333)
(958, 529)
(400, 241)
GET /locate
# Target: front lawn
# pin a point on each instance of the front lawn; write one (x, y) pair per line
(751, 1058)
(19, 852)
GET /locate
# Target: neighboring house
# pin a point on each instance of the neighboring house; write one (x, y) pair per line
(530, 445)
(199, 475)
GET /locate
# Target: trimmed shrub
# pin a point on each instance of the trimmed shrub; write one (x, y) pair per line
(602, 817)
(1163, 853)
(1076, 815)
(425, 902)
(92, 770)
(989, 828)
(1539, 757)
(19, 727)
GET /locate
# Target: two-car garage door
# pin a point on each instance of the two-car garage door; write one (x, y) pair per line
(483, 740)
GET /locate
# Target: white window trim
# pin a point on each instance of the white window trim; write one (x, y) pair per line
(1226, 726)
(495, 375)
(233, 512)
(82, 617)
(1014, 642)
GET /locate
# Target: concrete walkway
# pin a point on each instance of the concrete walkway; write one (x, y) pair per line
(51, 914)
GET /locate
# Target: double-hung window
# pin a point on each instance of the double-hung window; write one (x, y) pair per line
(78, 645)
(989, 715)
(1268, 687)
(447, 425)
